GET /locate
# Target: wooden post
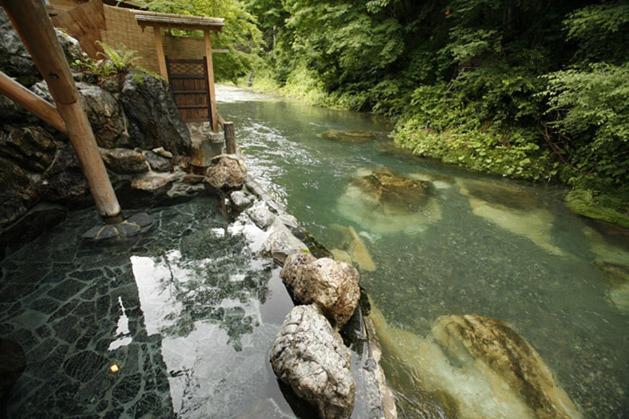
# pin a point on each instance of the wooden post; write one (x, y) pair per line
(31, 22)
(159, 47)
(230, 137)
(210, 80)
(33, 103)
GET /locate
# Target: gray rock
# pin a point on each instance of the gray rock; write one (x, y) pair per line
(157, 162)
(332, 285)
(18, 192)
(124, 160)
(152, 114)
(164, 153)
(32, 147)
(103, 110)
(240, 200)
(261, 215)
(226, 173)
(280, 243)
(64, 182)
(309, 356)
(184, 190)
(155, 183)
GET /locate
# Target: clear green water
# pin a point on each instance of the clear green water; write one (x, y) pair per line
(521, 257)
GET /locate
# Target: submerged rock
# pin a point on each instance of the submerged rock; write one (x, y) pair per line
(478, 367)
(364, 204)
(309, 356)
(512, 208)
(226, 173)
(618, 278)
(357, 251)
(348, 136)
(124, 160)
(393, 191)
(332, 285)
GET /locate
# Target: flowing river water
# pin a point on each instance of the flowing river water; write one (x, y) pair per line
(480, 245)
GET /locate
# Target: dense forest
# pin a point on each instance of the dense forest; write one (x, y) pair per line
(529, 89)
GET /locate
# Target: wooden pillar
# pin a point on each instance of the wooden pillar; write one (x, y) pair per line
(31, 102)
(159, 47)
(30, 19)
(230, 137)
(210, 80)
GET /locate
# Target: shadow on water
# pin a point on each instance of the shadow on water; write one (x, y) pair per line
(494, 247)
(176, 322)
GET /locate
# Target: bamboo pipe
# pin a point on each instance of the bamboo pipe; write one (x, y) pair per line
(31, 22)
(31, 102)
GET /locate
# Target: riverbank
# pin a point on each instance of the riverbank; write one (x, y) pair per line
(509, 154)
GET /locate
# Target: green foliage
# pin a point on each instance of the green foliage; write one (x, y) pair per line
(113, 61)
(600, 206)
(529, 89)
(591, 109)
(601, 30)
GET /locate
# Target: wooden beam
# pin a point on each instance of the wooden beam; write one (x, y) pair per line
(31, 22)
(230, 137)
(159, 47)
(210, 80)
(31, 102)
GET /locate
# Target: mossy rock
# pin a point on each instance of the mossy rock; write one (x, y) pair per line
(601, 207)
(389, 188)
(355, 137)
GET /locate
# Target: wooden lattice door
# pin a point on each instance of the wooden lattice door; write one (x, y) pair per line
(189, 85)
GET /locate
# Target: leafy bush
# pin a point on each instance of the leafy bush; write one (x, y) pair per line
(591, 110)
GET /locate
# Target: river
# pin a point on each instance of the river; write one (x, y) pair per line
(481, 245)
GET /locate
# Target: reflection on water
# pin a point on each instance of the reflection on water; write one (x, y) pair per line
(491, 247)
(176, 322)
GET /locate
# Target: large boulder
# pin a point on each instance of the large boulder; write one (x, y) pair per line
(226, 173)
(309, 356)
(332, 285)
(103, 111)
(507, 355)
(152, 114)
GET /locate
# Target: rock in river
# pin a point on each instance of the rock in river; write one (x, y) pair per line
(348, 136)
(332, 285)
(382, 202)
(395, 191)
(481, 366)
(309, 356)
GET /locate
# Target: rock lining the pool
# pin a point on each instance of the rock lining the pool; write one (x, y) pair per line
(309, 354)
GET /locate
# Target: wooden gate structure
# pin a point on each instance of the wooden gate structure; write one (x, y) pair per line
(188, 79)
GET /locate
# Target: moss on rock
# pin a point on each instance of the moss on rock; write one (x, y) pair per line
(602, 207)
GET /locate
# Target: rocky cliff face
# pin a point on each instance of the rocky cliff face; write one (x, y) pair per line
(37, 163)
